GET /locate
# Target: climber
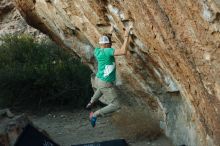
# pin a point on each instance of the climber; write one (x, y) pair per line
(106, 75)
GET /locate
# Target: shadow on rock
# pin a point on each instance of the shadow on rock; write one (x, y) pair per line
(135, 123)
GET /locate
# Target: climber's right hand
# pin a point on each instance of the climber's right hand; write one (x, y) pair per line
(127, 31)
(111, 29)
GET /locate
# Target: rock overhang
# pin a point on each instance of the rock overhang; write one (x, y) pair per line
(172, 63)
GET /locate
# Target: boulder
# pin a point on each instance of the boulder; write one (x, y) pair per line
(173, 62)
(11, 127)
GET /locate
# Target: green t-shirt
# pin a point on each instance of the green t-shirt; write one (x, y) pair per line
(106, 64)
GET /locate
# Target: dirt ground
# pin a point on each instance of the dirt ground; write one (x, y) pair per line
(69, 128)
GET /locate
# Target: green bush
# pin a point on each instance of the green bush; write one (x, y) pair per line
(40, 74)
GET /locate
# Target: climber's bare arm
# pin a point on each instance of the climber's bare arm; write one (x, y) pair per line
(123, 49)
(88, 60)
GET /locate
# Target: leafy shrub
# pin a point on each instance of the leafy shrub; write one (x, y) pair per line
(40, 74)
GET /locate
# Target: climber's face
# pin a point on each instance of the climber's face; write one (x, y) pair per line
(105, 46)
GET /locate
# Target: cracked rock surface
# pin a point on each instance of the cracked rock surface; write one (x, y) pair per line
(11, 22)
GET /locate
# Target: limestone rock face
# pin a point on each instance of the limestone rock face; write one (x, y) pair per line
(11, 22)
(173, 63)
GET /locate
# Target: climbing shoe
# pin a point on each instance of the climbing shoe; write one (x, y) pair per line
(92, 119)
